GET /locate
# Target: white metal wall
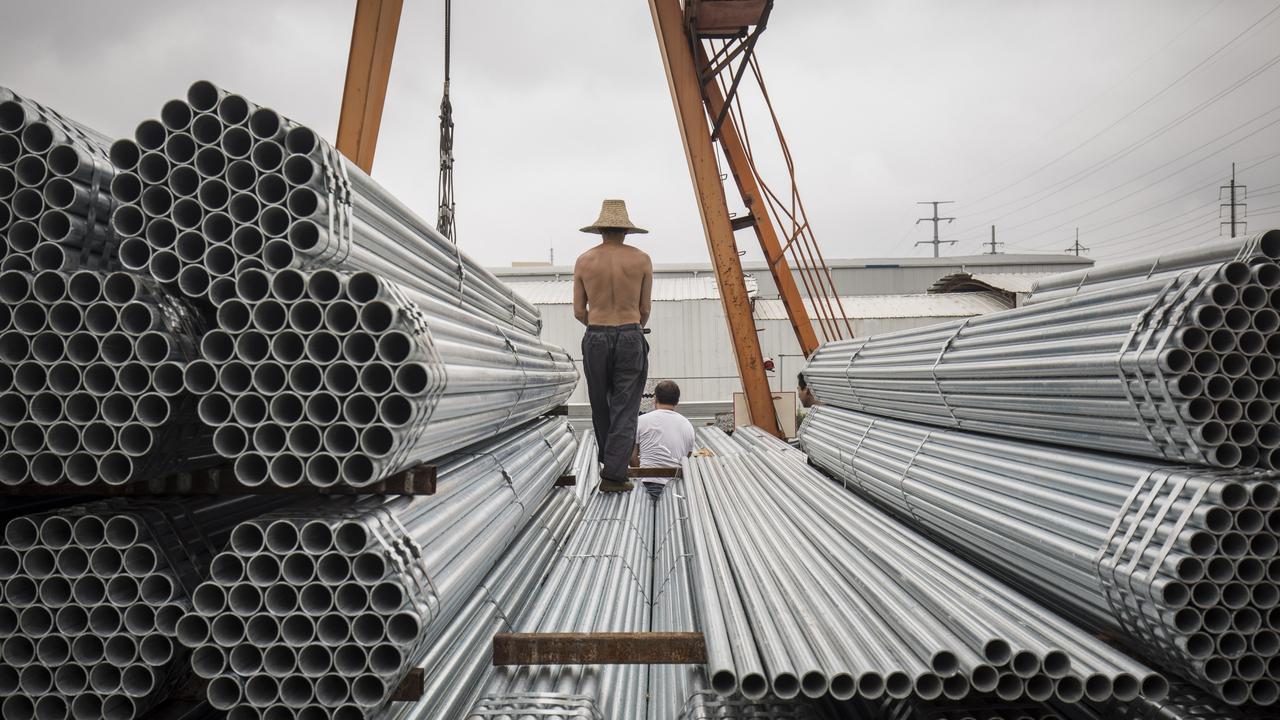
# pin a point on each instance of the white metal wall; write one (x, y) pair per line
(688, 343)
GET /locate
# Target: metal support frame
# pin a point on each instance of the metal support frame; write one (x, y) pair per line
(373, 44)
(687, 96)
(740, 167)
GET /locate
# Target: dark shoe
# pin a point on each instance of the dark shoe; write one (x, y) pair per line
(615, 486)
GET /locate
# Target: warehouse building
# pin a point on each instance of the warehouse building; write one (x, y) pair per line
(690, 344)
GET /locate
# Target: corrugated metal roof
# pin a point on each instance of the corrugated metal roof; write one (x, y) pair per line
(967, 282)
(965, 261)
(858, 307)
(560, 292)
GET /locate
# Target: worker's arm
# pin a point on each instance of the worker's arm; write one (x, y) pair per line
(579, 297)
(646, 292)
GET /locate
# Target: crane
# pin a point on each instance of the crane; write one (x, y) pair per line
(707, 47)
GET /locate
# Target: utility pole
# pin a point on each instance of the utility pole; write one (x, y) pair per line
(992, 244)
(1235, 200)
(1077, 248)
(935, 242)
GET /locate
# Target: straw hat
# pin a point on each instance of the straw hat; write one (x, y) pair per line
(613, 216)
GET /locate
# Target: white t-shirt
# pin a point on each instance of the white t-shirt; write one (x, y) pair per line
(665, 438)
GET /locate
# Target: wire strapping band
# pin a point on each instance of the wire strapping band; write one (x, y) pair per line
(902, 481)
(853, 456)
(933, 370)
(1141, 322)
(567, 707)
(848, 367)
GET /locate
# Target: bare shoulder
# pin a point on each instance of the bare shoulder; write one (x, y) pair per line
(639, 256)
(585, 258)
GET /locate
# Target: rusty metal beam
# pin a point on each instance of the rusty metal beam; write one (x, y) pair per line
(740, 167)
(620, 648)
(373, 44)
(691, 116)
(653, 472)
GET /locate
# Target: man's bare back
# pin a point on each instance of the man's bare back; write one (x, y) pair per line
(612, 283)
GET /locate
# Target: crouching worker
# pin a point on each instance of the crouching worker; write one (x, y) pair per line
(664, 437)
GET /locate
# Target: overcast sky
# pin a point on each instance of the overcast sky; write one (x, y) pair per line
(1039, 117)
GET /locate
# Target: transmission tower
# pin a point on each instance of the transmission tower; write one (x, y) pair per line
(935, 242)
(1236, 195)
(992, 244)
(1077, 248)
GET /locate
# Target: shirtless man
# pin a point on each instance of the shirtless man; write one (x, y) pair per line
(611, 287)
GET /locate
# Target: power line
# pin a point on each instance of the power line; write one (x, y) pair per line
(1207, 182)
(1148, 186)
(1115, 157)
(935, 242)
(1130, 113)
(1093, 102)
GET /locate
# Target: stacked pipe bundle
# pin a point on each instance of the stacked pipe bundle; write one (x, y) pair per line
(716, 441)
(1181, 367)
(601, 584)
(93, 366)
(1180, 561)
(217, 185)
(586, 468)
(753, 438)
(460, 660)
(92, 596)
(971, 709)
(325, 608)
(352, 341)
(930, 625)
(325, 378)
(682, 692)
(55, 202)
(1115, 274)
(1184, 702)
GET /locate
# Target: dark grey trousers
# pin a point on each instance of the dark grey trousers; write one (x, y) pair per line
(615, 361)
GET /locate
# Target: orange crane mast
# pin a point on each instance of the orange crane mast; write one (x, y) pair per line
(704, 115)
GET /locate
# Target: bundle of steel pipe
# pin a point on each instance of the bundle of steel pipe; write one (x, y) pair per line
(716, 441)
(586, 468)
(978, 708)
(751, 437)
(55, 200)
(218, 185)
(1180, 367)
(326, 607)
(92, 596)
(601, 584)
(327, 378)
(682, 691)
(91, 366)
(930, 625)
(1115, 274)
(460, 661)
(1180, 561)
(1184, 702)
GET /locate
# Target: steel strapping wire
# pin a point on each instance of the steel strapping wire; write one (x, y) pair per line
(566, 707)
